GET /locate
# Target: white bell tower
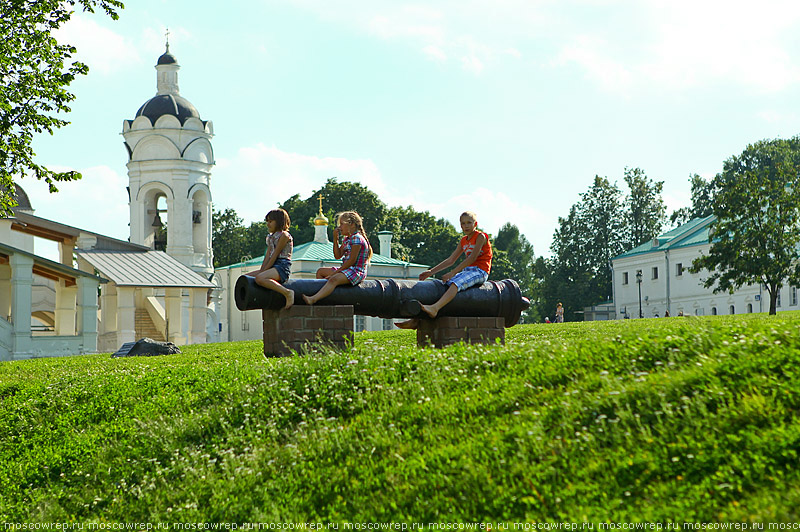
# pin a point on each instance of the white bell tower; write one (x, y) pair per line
(169, 172)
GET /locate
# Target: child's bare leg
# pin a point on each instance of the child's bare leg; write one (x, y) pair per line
(324, 273)
(447, 297)
(333, 281)
(269, 279)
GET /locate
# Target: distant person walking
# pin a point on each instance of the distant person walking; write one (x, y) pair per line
(559, 313)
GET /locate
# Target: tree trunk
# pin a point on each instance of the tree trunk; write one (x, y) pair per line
(773, 301)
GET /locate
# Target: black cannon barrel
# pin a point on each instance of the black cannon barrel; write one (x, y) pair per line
(393, 298)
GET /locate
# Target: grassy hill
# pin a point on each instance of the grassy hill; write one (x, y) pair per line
(680, 419)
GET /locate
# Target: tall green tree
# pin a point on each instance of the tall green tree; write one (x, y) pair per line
(35, 73)
(570, 271)
(519, 253)
(229, 239)
(756, 233)
(703, 194)
(646, 211)
(513, 258)
(583, 245)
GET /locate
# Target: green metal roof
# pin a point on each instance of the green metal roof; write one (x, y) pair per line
(692, 233)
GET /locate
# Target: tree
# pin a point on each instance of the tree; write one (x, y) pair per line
(337, 197)
(579, 274)
(513, 258)
(757, 231)
(519, 254)
(419, 236)
(34, 75)
(229, 238)
(703, 195)
(646, 212)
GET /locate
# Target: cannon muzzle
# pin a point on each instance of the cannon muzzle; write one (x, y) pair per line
(393, 298)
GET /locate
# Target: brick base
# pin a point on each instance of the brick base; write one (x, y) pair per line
(288, 331)
(441, 332)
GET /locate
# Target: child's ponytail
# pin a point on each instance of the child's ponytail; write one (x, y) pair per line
(355, 219)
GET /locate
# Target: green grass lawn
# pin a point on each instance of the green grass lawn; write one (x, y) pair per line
(680, 419)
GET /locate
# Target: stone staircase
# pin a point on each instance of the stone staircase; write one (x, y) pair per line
(145, 328)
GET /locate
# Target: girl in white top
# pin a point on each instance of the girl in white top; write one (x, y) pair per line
(277, 263)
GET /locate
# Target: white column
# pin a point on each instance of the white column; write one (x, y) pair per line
(126, 314)
(21, 287)
(108, 308)
(87, 313)
(198, 312)
(174, 316)
(66, 297)
(5, 291)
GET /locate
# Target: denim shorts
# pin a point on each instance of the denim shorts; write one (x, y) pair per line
(284, 267)
(468, 277)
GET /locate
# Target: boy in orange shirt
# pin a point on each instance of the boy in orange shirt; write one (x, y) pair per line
(472, 271)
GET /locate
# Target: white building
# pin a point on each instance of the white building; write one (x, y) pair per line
(236, 325)
(144, 291)
(655, 278)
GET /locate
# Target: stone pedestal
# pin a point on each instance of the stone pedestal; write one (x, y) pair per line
(441, 332)
(287, 331)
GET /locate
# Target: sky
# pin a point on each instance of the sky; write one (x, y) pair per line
(508, 108)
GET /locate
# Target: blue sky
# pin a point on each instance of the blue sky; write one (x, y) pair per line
(505, 107)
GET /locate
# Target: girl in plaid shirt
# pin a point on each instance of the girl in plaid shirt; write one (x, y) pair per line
(354, 251)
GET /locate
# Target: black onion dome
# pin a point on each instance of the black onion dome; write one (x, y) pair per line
(23, 202)
(167, 59)
(167, 104)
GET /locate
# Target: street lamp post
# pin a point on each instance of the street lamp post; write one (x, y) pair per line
(639, 282)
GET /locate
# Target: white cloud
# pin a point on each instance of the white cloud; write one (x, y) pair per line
(588, 52)
(684, 44)
(472, 64)
(476, 32)
(98, 202)
(261, 176)
(100, 48)
(771, 116)
(435, 53)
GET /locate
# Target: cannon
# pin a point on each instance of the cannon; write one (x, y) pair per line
(393, 298)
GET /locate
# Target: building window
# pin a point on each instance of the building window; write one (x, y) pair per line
(713, 311)
(655, 272)
(388, 324)
(624, 277)
(733, 309)
(794, 296)
(749, 308)
(679, 269)
(361, 323)
(778, 303)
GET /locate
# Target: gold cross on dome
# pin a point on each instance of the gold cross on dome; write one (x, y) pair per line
(320, 202)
